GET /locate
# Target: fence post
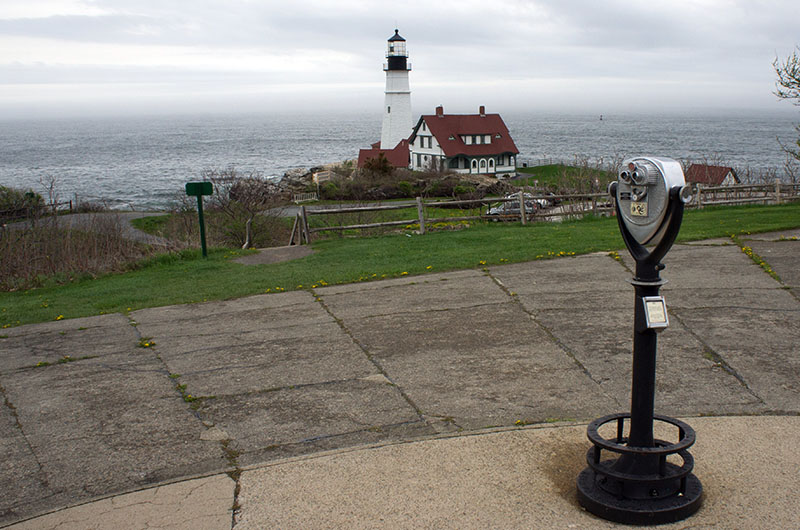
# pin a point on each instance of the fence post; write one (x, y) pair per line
(778, 199)
(421, 215)
(699, 196)
(522, 213)
(305, 224)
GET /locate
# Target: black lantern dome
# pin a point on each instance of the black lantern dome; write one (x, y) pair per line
(396, 53)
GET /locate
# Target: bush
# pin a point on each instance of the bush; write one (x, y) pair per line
(406, 188)
(17, 204)
(463, 189)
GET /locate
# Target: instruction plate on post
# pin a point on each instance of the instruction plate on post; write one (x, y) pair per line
(639, 209)
(655, 312)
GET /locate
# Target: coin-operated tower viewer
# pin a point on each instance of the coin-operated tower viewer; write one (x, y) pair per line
(397, 121)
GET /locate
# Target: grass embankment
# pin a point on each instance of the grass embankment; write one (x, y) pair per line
(556, 175)
(186, 277)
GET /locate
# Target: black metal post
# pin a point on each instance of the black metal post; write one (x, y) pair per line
(640, 486)
(202, 225)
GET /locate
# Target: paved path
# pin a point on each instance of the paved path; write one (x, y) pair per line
(445, 400)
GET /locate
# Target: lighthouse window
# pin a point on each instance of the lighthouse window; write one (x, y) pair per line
(388, 110)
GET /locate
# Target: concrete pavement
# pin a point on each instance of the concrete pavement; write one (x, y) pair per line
(446, 400)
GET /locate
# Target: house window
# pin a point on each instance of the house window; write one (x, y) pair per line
(487, 139)
(423, 126)
(483, 164)
(474, 164)
(497, 136)
(468, 140)
(452, 137)
(453, 164)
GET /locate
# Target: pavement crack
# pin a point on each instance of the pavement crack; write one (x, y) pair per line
(371, 358)
(373, 428)
(715, 357)
(40, 475)
(235, 473)
(558, 342)
(281, 388)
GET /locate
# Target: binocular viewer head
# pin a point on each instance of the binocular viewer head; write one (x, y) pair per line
(643, 190)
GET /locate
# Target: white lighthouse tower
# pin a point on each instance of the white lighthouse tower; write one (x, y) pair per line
(397, 121)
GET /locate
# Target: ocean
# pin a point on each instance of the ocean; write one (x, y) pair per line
(144, 162)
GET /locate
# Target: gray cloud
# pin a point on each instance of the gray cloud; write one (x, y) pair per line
(714, 53)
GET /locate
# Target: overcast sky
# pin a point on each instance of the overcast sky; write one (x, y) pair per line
(66, 57)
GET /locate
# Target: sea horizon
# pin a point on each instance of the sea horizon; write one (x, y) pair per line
(142, 161)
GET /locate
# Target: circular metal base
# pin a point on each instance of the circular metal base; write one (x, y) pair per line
(600, 502)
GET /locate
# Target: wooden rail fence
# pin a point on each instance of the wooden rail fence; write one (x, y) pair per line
(569, 206)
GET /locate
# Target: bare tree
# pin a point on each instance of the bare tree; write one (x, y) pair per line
(788, 87)
(241, 199)
(791, 168)
(50, 185)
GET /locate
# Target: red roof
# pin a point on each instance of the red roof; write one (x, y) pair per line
(710, 175)
(448, 129)
(397, 157)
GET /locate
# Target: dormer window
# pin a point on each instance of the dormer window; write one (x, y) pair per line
(452, 137)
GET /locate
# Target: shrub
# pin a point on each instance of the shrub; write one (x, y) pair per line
(406, 188)
(18, 204)
(463, 189)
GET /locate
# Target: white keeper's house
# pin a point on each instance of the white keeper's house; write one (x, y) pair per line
(464, 143)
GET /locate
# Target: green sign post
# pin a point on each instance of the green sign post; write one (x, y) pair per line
(198, 189)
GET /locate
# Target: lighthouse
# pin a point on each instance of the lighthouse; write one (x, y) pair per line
(397, 121)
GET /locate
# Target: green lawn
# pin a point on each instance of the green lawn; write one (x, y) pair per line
(186, 277)
(555, 175)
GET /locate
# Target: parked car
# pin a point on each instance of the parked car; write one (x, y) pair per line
(511, 205)
(510, 208)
